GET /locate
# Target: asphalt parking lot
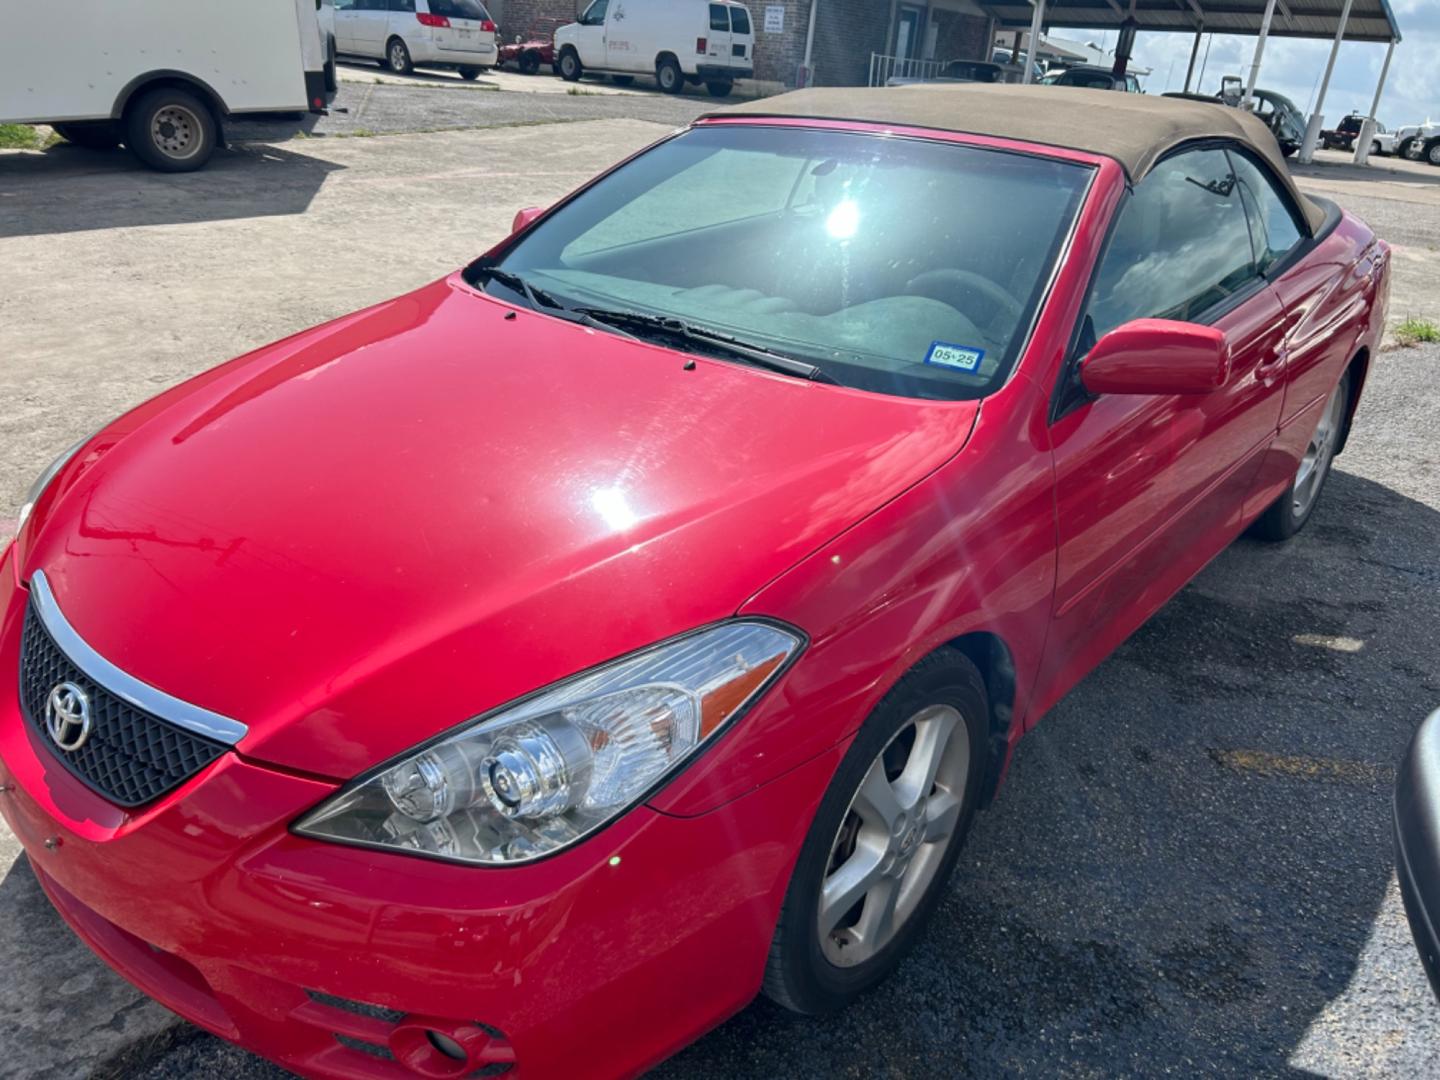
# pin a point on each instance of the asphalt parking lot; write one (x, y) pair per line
(1189, 868)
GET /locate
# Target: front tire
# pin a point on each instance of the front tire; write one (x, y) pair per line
(100, 135)
(669, 75)
(1410, 149)
(885, 840)
(1432, 152)
(171, 130)
(470, 74)
(530, 63)
(1288, 514)
(397, 57)
(570, 67)
(1375, 150)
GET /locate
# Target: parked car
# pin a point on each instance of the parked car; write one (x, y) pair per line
(1004, 58)
(404, 34)
(1417, 843)
(1384, 143)
(963, 71)
(1420, 142)
(1276, 111)
(108, 85)
(533, 49)
(1343, 135)
(677, 41)
(631, 703)
(1093, 78)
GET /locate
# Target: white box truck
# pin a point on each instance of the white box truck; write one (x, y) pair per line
(162, 76)
(677, 41)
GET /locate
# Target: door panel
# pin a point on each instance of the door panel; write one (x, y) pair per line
(590, 34)
(1150, 488)
(718, 37)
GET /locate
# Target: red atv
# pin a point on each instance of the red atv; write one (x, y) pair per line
(534, 48)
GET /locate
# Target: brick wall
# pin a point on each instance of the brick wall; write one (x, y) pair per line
(846, 33)
(778, 56)
(960, 36)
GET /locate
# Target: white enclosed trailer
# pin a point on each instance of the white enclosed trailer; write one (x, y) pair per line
(161, 76)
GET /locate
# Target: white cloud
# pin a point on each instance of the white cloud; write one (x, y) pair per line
(1295, 67)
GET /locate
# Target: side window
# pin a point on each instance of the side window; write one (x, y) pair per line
(1273, 218)
(345, 5)
(719, 18)
(1181, 246)
(407, 6)
(595, 13)
(740, 20)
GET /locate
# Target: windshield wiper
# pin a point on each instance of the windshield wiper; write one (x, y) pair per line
(674, 327)
(539, 298)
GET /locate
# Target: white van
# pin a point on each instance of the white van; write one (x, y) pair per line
(405, 34)
(677, 41)
(161, 76)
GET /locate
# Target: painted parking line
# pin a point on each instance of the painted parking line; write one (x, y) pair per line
(1298, 767)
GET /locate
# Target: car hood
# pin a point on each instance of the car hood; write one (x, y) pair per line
(366, 534)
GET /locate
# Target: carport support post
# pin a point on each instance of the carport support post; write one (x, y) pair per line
(1194, 54)
(1317, 118)
(1367, 129)
(1259, 54)
(1035, 22)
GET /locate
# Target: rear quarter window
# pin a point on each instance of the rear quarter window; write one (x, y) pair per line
(740, 20)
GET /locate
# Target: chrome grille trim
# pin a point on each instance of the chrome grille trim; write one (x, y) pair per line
(124, 686)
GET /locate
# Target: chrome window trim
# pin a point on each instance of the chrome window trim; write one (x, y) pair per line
(108, 677)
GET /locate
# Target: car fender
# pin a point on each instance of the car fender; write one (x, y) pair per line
(968, 550)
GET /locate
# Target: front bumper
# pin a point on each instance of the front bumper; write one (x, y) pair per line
(1417, 842)
(335, 961)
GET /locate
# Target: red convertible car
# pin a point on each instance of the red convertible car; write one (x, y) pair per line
(533, 49)
(531, 670)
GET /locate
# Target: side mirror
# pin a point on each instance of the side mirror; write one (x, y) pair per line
(524, 218)
(1157, 356)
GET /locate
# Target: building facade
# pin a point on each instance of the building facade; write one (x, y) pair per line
(847, 33)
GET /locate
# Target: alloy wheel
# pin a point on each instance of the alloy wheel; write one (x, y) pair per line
(893, 838)
(1319, 454)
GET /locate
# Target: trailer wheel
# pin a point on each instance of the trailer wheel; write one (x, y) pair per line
(171, 130)
(101, 135)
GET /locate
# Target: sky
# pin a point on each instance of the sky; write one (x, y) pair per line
(1294, 68)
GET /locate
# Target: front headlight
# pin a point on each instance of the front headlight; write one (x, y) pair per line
(538, 775)
(43, 481)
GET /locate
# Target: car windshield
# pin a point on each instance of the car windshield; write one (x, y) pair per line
(905, 266)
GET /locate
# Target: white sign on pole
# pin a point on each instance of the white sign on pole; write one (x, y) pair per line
(774, 19)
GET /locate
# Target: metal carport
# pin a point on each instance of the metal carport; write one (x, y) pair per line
(1350, 20)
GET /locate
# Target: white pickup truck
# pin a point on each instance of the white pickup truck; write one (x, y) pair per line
(161, 76)
(1419, 142)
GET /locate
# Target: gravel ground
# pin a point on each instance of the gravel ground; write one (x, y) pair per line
(1189, 868)
(383, 107)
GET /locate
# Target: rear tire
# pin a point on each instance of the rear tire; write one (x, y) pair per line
(332, 74)
(530, 63)
(470, 74)
(1432, 152)
(1375, 150)
(885, 839)
(1288, 514)
(1410, 149)
(171, 130)
(721, 88)
(100, 135)
(669, 75)
(570, 67)
(397, 57)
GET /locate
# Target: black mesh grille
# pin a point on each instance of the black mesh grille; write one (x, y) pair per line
(130, 757)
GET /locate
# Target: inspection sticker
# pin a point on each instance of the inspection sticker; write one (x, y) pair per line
(959, 357)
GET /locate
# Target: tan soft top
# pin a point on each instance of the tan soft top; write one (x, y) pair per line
(1134, 129)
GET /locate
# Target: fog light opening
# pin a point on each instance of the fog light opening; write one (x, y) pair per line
(446, 1045)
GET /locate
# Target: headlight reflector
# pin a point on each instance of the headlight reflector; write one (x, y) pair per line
(539, 775)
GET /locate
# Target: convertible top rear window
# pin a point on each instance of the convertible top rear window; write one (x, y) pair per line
(905, 266)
